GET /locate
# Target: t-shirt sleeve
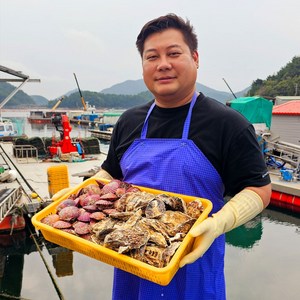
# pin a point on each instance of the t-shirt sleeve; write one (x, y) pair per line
(245, 165)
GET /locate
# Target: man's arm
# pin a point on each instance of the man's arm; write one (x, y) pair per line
(241, 208)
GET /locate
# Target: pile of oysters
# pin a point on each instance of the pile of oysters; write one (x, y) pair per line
(148, 227)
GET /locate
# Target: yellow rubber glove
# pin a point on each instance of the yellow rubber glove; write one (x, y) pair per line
(240, 209)
(103, 174)
(60, 193)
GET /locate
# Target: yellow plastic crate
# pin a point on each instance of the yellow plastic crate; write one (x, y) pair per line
(160, 276)
(58, 178)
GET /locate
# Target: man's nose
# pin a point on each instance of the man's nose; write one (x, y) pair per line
(164, 64)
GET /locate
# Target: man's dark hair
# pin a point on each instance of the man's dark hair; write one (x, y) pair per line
(165, 22)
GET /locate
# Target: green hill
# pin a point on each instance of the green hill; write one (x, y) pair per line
(285, 83)
(20, 99)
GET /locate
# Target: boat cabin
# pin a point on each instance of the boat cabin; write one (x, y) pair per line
(7, 129)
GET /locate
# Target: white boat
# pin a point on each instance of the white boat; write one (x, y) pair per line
(7, 128)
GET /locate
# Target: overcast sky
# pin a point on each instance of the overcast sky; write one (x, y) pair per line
(239, 40)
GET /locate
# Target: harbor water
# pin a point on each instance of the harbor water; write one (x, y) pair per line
(262, 257)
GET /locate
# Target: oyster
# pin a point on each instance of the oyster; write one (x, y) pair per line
(195, 208)
(153, 256)
(177, 221)
(155, 237)
(123, 240)
(133, 219)
(121, 215)
(137, 200)
(169, 252)
(172, 202)
(155, 208)
(103, 227)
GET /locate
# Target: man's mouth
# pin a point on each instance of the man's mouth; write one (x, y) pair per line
(165, 78)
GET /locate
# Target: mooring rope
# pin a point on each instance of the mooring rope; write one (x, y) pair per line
(32, 235)
(59, 293)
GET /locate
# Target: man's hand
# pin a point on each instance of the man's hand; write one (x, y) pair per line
(240, 209)
(103, 174)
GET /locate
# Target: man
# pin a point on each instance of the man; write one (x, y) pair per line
(190, 144)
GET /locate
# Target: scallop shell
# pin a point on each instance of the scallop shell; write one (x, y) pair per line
(50, 219)
(84, 216)
(65, 203)
(97, 215)
(69, 213)
(62, 224)
(82, 228)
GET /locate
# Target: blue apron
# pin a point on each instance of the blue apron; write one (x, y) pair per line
(175, 165)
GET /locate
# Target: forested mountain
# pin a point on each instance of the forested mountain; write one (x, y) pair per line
(40, 100)
(110, 99)
(20, 99)
(100, 100)
(133, 87)
(285, 83)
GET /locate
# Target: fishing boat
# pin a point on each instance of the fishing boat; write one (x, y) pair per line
(86, 117)
(104, 133)
(7, 128)
(39, 117)
(45, 117)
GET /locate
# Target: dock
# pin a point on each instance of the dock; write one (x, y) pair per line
(32, 172)
(101, 134)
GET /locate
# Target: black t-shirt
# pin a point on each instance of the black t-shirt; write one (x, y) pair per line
(224, 136)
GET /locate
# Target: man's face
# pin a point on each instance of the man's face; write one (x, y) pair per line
(169, 68)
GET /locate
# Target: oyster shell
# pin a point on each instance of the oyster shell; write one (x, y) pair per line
(155, 237)
(177, 221)
(172, 202)
(123, 240)
(155, 208)
(195, 208)
(153, 256)
(137, 200)
(103, 227)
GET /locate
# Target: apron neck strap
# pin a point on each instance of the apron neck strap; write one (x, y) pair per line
(187, 122)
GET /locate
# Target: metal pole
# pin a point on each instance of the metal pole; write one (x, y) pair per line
(12, 93)
(229, 88)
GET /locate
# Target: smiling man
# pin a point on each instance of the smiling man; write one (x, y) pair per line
(187, 143)
(169, 69)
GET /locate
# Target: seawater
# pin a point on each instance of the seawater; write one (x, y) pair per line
(261, 262)
(22, 126)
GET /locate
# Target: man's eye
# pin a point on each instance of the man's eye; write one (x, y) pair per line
(174, 54)
(151, 57)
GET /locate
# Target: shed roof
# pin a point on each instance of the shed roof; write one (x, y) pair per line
(288, 108)
(256, 109)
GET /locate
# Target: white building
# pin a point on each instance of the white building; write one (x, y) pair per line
(286, 121)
